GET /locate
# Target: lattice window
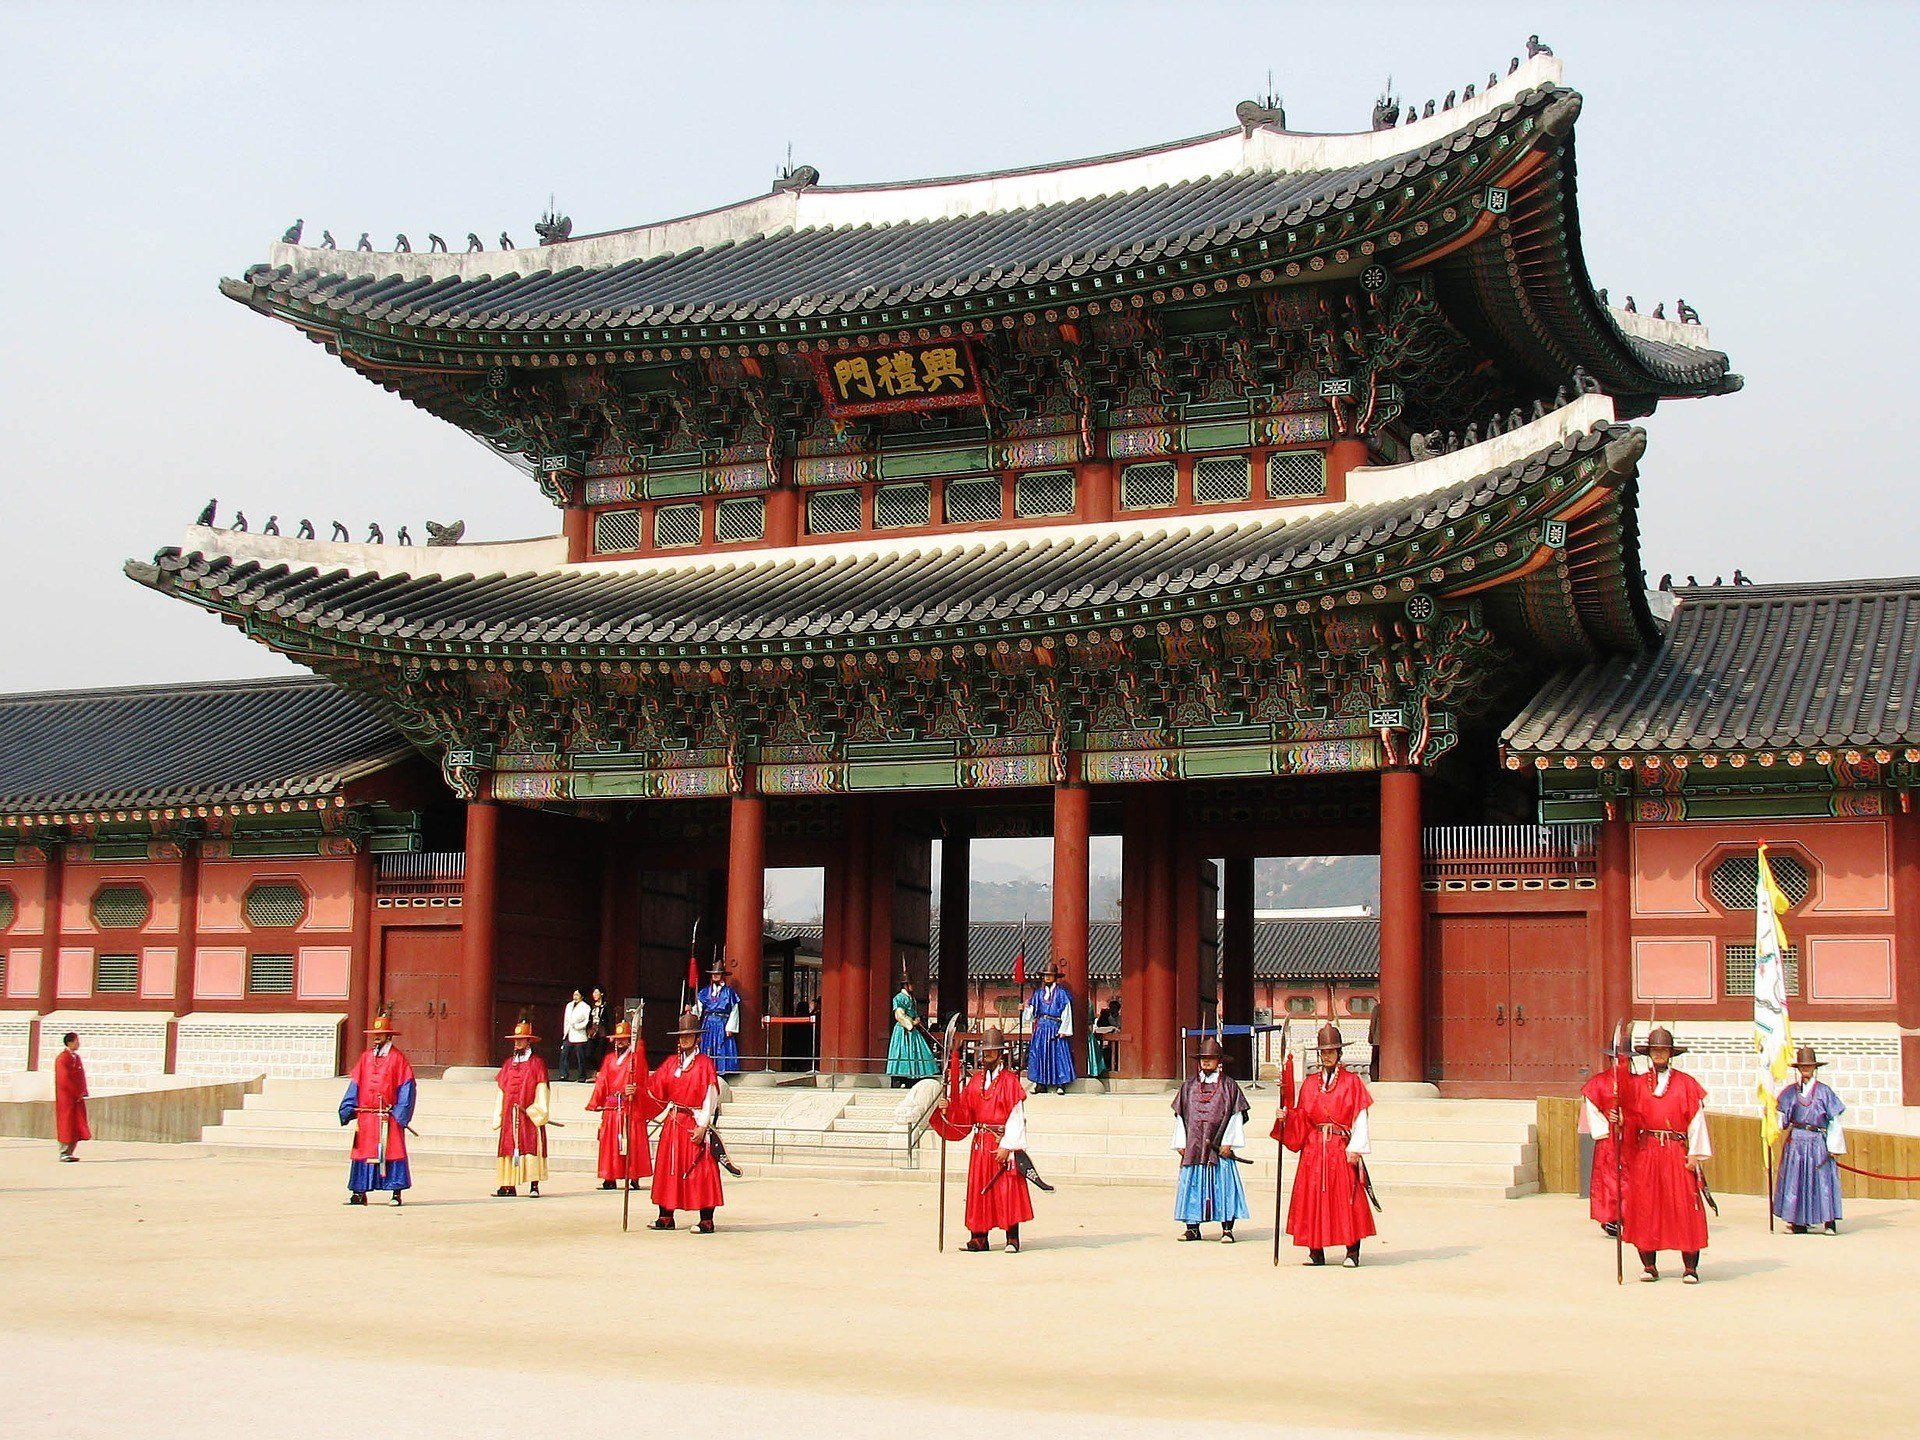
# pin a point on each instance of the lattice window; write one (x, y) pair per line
(740, 520)
(1736, 877)
(1046, 492)
(973, 502)
(1221, 479)
(833, 512)
(676, 525)
(276, 907)
(897, 507)
(1737, 963)
(1295, 474)
(121, 907)
(1302, 1004)
(1362, 1005)
(1153, 486)
(9, 909)
(270, 974)
(116, 974)
(615, 531)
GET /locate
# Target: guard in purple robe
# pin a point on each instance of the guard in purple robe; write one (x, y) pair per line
(1209, 1129)
(1807, 1192)
(1049, 1055)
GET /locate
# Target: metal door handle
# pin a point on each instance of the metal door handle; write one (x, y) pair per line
(1519, 1014)
(443, 1009)
(1500, 1014)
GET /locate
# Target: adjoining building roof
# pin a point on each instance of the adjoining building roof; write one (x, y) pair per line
(164, 745)
(952, 587)
(1317, 949)
(1759, 667)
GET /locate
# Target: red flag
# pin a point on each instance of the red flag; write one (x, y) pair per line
(693, 973)
(1283, 1128)
(1020, 958)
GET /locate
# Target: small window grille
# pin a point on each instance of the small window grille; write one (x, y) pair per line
(1737, 967)
(833, 512)
(276, 907)
(1736, 878)
(116, 974)
(615, 531)
(897, 507)
(1301, 1005)
(1362, 1005)
(1048, 492)
(1149, 487)
(973, 502)
(9, 909)
(740, 520)
(270, 974)
(1293, 474)
(676, 525)
(121, 907)
(1221, 479)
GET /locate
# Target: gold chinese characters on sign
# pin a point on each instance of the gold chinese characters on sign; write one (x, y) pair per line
(884, 381)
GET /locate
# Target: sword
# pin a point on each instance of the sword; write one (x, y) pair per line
(1706, 1193)
(1366, 1181)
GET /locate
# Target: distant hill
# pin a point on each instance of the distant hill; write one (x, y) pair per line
(1304, 882)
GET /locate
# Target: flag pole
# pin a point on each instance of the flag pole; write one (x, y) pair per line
(1280, 1158)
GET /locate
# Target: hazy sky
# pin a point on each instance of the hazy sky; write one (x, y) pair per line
(1754, 158)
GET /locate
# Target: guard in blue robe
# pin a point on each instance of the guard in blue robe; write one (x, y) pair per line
(1049, 1056)
(1807, 1190)
(1209, 1128)
(720, 1023)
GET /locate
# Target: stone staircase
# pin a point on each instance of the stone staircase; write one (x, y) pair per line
(1422, 1145)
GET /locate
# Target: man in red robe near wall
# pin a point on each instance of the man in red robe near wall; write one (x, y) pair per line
(70, 1097)
(523, 1105)
(991, 1107)
(1665, 1120)
(686, 1172)
(1328, 1126)
(1601, 1110)
(379, 1104)
(619, 1094)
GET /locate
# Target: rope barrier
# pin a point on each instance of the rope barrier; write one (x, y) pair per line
(1875, 1174)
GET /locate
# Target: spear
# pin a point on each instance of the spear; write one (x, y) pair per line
(1280, 1159)
(1617, 1129)
(950, 1065)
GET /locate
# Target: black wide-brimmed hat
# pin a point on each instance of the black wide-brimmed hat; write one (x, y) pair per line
(1210, 1049)
(1659, 1038)
(689, 1023)
(1328, 1037)
(993, 1041)
(1805, 1056)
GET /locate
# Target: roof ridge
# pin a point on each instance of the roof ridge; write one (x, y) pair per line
(171, 687)
(1789, 589)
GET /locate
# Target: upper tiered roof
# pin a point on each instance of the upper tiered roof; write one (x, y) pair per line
(1481, 194)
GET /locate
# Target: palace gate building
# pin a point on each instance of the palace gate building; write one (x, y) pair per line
(1263, 494)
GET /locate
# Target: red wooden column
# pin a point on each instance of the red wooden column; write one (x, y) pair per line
(363, 976)
(1343, 456)
(51, 937)
(1135, 814)
(833, 959)
(1615, 860)
(849, 1026)
(479, 929)
(1072, 838)
(1236, 961)
(883, 960)
(956, 918)
(1403, 980)
(1160, 1044)
(746, 915)
(1906, 949)
(576, 524)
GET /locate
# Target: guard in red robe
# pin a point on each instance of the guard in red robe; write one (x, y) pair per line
(1665, 1120)
(620, 1096)
(520, 1114)
(686, 1171)
(1601, 1110)
(991, 1107)
(1328, 1127)
(379, 1105)
(70, 1097)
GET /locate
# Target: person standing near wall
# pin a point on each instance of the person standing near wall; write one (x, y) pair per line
(1808, 1191)
(576, 1025)
(70, 1097)
(599, 1026)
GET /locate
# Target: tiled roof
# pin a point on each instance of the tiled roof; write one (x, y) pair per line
(1760, 667)
(955, 583)
(1319, 948)
(164, 745)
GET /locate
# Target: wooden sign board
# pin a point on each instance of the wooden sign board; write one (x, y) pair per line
(893, 379)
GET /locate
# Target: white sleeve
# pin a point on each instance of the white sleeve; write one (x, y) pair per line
(1015, 1137)
(1066, 1020)
(1026, 1016)
(1179, 1133)
(708, 1104)
(1836, 1137)
(1596, 1122)
(1359, 1143)
(733, 1019)
(1698, 1142)
(1235, 1135)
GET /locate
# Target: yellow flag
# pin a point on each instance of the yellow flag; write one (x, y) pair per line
(1772, 1031)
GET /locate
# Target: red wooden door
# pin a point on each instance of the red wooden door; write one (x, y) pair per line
(1468, 1034)
(419, 968)
(1547, 1016)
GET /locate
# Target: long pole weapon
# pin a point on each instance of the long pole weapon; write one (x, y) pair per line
(1280, 1160)
(949, 1058)
(1617, 1128)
